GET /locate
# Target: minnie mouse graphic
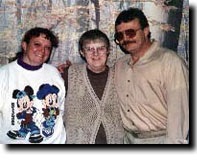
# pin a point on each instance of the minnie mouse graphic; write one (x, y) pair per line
(49, 96)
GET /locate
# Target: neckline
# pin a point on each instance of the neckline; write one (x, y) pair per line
(27, 66)
(96, 74)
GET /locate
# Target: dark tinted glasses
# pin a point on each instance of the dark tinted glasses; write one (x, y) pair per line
(129, 32)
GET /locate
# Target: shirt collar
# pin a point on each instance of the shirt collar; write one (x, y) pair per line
(27, 66)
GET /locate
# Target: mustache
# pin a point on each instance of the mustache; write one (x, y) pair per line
(128, 42)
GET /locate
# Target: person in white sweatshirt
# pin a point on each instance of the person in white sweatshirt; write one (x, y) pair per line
(32, 93)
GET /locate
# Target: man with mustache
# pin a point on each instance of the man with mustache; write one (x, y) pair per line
(152, 83)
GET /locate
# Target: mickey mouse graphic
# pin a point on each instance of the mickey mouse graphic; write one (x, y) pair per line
(49, 96)
(26, 111)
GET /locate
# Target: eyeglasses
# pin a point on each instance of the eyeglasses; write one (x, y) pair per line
(100, 50)
(129, 32)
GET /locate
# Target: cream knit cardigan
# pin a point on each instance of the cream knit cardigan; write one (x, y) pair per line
(84, 111)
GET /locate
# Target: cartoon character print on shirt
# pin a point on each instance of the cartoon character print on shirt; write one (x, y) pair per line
(26, 110)
(49, 96)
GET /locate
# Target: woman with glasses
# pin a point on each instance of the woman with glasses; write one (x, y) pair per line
(152, 84)
(92, 113)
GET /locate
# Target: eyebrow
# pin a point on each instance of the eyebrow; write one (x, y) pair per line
(95, 46)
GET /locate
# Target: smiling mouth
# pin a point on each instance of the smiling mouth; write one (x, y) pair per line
(39, 55)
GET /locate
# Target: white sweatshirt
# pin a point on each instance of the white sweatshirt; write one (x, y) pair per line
(29, 112)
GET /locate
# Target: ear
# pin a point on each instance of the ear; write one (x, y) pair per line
(108, 52)
(146, 31)
(24, 46)
(82, 54)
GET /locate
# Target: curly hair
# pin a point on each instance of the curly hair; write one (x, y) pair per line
(37, 31)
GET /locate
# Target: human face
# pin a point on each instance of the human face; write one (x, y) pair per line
(95, 53)
(133, 41)
(37, 51)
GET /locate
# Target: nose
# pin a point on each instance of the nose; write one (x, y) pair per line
(44, 50)
(95, 52)
(41, 49)
(125, 37)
